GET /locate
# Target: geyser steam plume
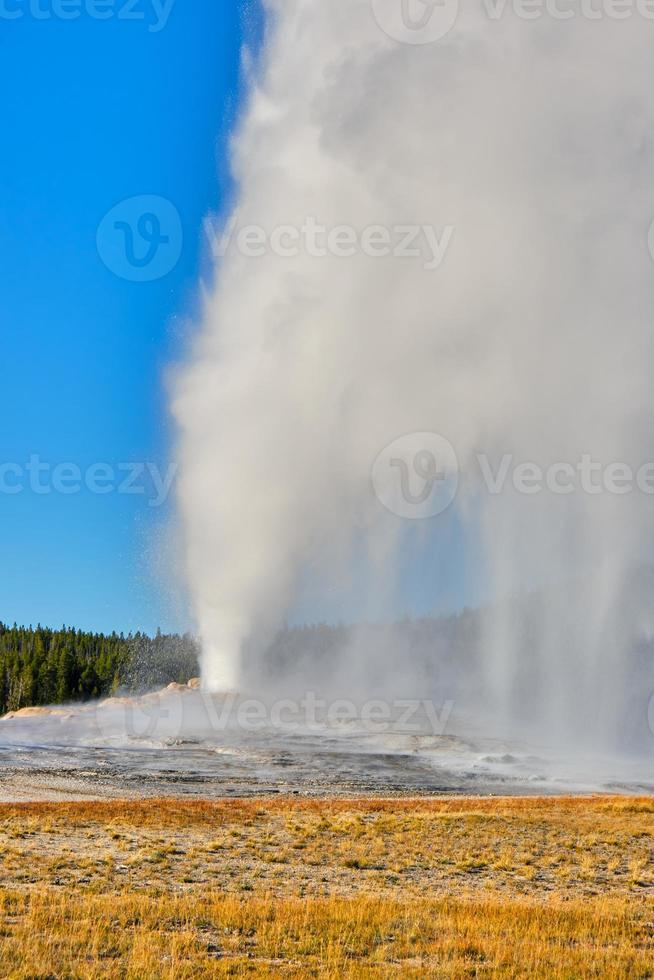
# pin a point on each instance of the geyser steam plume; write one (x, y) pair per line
(529, 335)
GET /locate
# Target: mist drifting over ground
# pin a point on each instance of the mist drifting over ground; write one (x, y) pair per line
(523, 153)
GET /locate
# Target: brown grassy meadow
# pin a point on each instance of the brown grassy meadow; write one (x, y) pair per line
(291, 888)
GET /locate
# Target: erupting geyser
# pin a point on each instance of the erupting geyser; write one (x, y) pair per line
(527, 334)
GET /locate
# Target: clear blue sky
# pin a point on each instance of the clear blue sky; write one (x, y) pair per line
(95, 112)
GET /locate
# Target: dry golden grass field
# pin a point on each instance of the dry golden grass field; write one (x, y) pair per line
(290, 888)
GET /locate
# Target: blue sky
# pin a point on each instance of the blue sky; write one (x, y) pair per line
(96, 112)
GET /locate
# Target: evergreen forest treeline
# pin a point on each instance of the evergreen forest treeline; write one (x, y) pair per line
(40, 666)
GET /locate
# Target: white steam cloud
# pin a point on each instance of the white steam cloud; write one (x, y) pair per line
(526, 329)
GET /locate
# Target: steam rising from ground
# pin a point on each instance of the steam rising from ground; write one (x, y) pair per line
(533, 338)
